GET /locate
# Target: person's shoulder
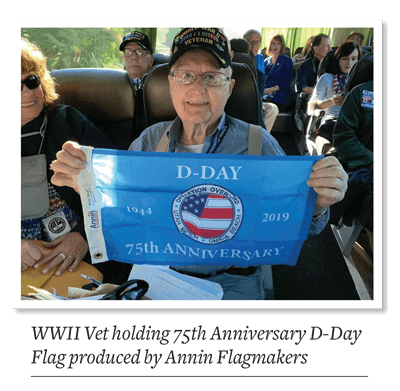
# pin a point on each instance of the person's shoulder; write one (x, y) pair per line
(62, 109)
(237, 123)
(150, 137)
(367, 86)
(285, 58)
(64, 115)
(327, 77)
(241, 130)
(306, 63)
(268, 60)
(159, 127)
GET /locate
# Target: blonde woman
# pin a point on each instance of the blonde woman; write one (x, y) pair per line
(49, 213)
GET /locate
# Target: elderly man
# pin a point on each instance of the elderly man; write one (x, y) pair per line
(137, 52)
(253, 37)
(270, 110)
(200, 83)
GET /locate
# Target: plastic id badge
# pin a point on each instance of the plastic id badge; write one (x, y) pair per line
(196, 209)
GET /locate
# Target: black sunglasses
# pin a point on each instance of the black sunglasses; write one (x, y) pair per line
(130, 290)
(31, 82)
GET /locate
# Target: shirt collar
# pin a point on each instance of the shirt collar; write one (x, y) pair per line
(174, 134)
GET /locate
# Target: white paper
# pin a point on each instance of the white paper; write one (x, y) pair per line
(167, 284)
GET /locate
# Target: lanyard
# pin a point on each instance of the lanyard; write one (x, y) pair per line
(41, 131)
(215, 143)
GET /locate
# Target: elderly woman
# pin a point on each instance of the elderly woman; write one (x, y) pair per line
(49, 213)
(200, 83)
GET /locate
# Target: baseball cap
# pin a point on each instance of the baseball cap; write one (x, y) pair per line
(138, 37)
(211, 39)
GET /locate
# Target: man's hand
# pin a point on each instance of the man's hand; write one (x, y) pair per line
(70, 161)
(329, 180)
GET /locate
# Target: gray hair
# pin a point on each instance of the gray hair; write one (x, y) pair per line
(247, 34)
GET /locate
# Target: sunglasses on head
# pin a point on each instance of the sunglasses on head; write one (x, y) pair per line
(31, 82)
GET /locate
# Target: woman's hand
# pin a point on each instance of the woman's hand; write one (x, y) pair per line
(337, 100)
(271, 89)
(67, 251)
(31, 253)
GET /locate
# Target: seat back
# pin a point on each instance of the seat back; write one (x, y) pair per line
(324, 63)
(104, 96)
(244, 102)
(160, 59)
(361, 72)
(248, 59)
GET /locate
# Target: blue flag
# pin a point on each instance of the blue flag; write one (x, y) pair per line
(195, 209)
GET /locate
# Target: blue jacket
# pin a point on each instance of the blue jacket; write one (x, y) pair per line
(280, 74)
(307, 74)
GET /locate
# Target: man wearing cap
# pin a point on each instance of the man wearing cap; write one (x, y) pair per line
(137, 52)
(200, 83)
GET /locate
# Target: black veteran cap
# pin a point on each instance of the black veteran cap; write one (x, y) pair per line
(138, 37)
(211, 39)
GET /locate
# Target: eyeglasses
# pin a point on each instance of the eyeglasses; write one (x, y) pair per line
(212, 79)
(139, 52)
(31, 82)
(129, 290)
(251, 42)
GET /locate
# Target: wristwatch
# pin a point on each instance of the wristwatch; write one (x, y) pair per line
(320, 215)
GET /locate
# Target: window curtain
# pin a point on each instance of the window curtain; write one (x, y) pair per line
(294, 37)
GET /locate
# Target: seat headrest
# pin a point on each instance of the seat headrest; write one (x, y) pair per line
(361, 72)
(160, 59)
(245, 58)
(325, 62)
(102, 95)
(244, 102)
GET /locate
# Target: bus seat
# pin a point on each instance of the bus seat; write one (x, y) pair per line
(160, 59)
(324, 63)
(305, 122)
(105, 96)
(245, 58)
(244, 102)
(361, 72)
(366, 49)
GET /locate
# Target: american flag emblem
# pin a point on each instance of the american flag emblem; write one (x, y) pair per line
(208, 214)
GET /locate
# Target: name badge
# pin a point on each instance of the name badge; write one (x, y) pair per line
(367, 99)
(56, 225)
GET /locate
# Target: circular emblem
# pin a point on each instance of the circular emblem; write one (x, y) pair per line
(208, 214)
(57, 225)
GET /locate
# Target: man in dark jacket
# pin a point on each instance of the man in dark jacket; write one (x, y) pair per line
(353, 140)
(353, 133)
